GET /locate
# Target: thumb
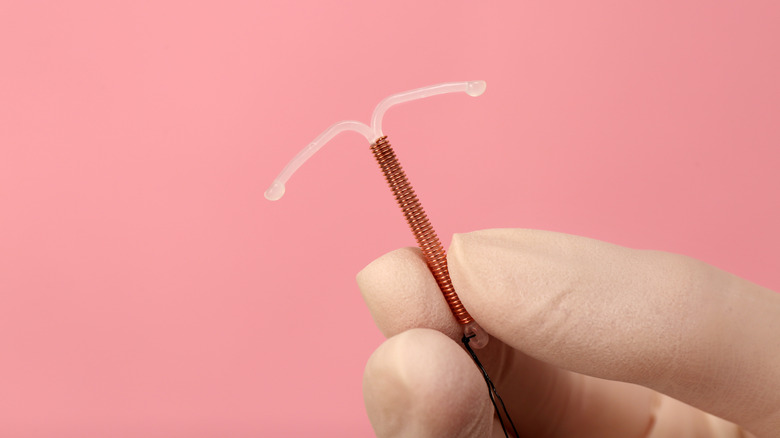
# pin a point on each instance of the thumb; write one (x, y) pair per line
(420, 383)
(664, 321)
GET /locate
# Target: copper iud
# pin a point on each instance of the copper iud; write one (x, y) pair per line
(432, 249)
(418, 221)
(421, 227)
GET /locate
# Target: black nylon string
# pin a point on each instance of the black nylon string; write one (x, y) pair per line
(492, 391)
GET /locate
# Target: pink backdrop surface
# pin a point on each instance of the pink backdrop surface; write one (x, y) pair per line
(148, 289)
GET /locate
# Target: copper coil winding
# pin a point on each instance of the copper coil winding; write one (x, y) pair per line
(421, 227)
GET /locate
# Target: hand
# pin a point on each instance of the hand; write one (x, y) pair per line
(588, 339)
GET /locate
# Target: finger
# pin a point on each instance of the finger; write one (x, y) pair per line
(402, 294)
(664, 321)
(422, 384)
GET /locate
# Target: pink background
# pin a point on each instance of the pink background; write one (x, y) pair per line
(148, 288)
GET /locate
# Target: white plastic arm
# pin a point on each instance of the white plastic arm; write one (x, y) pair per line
(373, 132)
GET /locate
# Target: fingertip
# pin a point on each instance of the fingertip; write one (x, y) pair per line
(484, 265)
(384, 271)
(421, 383)
(401, 293)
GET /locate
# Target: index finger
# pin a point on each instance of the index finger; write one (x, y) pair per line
(664, 321)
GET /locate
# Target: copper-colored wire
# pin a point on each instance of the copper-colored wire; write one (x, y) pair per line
(434, 254)
(421, 227)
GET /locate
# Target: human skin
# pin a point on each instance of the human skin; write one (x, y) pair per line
(588, 339)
